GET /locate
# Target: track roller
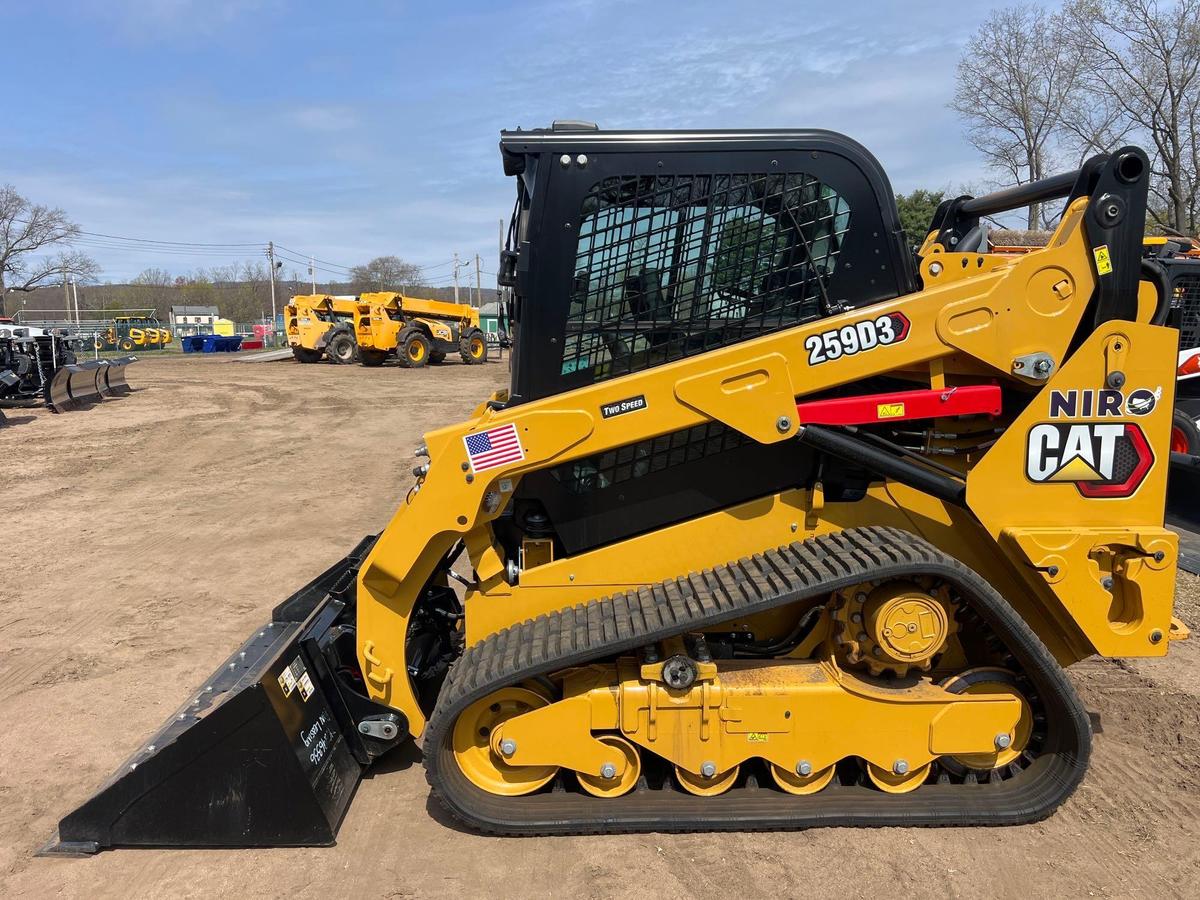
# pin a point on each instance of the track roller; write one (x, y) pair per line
(794, 783)
(711, 786)
(617, 785)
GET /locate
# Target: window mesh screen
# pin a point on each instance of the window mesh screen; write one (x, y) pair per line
(673, 265)
(1187, 292)
(636, 460)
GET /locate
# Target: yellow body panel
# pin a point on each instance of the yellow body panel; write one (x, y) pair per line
(979, 318)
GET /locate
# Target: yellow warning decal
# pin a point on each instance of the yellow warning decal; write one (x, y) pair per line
(1103, 260)
(757, 737)
(889, 410)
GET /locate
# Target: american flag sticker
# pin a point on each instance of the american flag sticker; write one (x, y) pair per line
(494, 447)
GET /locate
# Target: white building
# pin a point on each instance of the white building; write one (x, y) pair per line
(193, 318)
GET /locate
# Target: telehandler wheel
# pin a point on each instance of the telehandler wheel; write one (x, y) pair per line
(473, 749)
(341, 349)
(1185, 435)
(125, 344)
(306, 355)
(473, 347)
(414, 348)
(371, 358)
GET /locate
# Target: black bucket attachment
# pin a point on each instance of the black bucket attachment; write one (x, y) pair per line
(1183, 508)
(267, 753)
(74, 385)
(113, 383)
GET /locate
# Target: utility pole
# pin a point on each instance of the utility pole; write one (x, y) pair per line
(456, 277)
(271, 262)
(478, 284)
(312, 272)
(66, 294)
(75, 294)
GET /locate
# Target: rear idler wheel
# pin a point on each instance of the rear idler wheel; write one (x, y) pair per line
(711, 786)
(479, 761)
(617, 785)
(991, 680)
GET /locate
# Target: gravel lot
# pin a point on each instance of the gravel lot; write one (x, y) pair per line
(145, 537)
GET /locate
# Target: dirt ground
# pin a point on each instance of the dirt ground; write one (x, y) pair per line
(144, 538)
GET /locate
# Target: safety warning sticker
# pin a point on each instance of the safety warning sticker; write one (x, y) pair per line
(306, 686)
(293, 675)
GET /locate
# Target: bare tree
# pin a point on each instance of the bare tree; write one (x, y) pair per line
(27, 228)
(1142, 57)
(386, 273)
(1015, 78)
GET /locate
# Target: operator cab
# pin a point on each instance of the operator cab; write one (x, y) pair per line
(629, 249)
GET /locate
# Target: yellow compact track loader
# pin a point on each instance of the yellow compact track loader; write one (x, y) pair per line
(776, 526)
(415, 330)
(321, 326)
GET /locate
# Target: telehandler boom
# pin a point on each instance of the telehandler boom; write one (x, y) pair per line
(775, 527)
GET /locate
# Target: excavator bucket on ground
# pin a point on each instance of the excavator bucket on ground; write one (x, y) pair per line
(777, 526)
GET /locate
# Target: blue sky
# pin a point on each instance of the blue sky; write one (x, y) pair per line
(349, 130)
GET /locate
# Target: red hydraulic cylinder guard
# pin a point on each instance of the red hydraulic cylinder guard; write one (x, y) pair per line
(900, 406)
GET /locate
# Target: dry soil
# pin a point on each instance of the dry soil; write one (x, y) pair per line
(143, 539)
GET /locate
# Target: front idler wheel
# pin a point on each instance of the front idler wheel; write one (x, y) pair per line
(479, 761)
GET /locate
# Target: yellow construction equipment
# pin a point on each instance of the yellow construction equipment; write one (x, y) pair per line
(416, 331)
(776, 525)
(321, 326)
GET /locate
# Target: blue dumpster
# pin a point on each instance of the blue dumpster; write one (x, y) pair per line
(193, 343)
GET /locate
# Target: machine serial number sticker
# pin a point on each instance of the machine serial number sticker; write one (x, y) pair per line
(756, 737)
(1103, 260)
(857, 337)
(306, 687)
(889, 411)
(620, 407)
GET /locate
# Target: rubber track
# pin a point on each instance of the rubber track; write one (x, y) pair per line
(613, 625)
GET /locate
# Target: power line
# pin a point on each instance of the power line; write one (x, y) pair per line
(118, 237)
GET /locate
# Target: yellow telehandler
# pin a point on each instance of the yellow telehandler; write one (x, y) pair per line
(416, 331)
